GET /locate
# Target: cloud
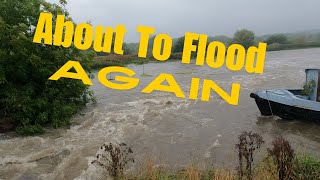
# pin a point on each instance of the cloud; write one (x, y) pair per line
(212, 17)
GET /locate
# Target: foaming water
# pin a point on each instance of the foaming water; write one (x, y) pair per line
(169, 130)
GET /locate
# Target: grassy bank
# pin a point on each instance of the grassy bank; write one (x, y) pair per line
(123, 60)
(304, 167)
(279, 47)
(116, 60)
(280, 162)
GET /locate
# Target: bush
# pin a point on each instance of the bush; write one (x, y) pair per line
(26, 95)
(30, 129)
(277, 38)
(274, 47)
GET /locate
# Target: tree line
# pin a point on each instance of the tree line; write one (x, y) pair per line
(248, 38)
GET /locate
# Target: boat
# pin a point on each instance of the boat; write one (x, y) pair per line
(299, 104)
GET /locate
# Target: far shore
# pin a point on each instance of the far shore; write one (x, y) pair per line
(123, 60)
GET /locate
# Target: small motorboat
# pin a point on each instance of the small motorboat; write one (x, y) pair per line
(303, 104)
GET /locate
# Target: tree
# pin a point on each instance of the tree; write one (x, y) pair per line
(27, 97)
(317, 37)
(150, 44)
(244, 37)
(178, 45)
(224, 39)
(126, 49)
(277, 38)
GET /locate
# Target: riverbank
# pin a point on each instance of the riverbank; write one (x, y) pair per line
(124, 60)
(280, 162)
(279, 47)
(304, 167)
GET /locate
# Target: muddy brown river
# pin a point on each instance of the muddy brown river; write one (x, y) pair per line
(169, 130)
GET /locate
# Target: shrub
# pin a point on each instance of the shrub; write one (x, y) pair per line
(30, 129)
(26, 95)
(277, 38)
(274, 47)
(248, 143)
(114, 159)
(283, 155)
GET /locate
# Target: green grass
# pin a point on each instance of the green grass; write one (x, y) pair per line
(124, 60)
(278, 47)
(306, 167)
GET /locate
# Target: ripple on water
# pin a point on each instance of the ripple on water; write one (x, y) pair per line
(160, 124)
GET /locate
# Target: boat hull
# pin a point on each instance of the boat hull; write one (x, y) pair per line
(268, 108)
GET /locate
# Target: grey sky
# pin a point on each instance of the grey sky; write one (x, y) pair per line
(212, 17)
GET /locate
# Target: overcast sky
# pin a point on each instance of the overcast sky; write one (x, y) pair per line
(212, 17)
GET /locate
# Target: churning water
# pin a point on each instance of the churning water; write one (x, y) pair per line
(160, 126)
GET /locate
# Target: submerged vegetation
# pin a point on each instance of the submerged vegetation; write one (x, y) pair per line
(281, 162)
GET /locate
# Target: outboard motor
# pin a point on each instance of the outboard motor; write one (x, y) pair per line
(314, 75)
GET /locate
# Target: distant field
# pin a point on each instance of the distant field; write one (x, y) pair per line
(123, 60)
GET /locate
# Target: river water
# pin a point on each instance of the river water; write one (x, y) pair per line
(159, 126)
